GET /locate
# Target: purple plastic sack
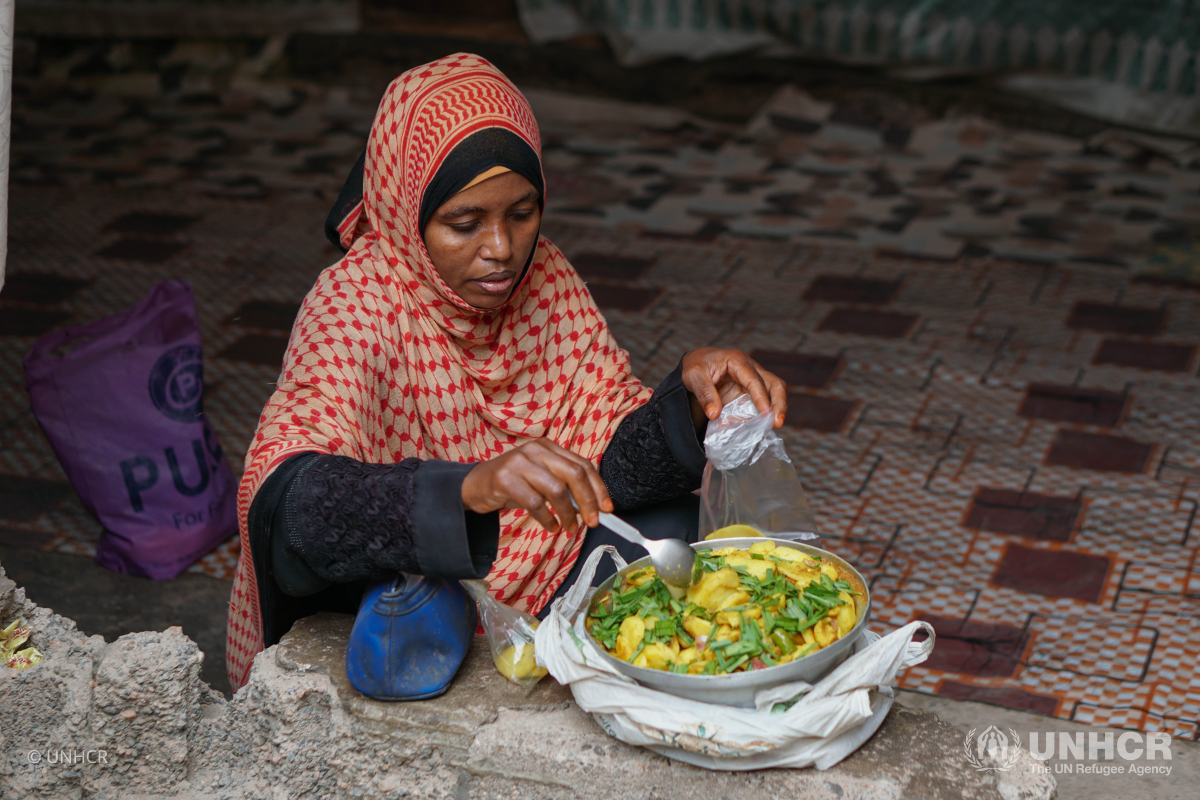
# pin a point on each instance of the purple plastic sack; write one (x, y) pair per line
(123, 410)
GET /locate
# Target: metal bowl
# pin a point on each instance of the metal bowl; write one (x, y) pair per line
(739, 688)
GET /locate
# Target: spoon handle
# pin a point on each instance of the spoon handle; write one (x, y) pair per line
(620, 527)
(623, 528)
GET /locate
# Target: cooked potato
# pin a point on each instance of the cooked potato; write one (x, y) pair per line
(847, 615)
(762, 548)
(800, 575)
(644, 575)
(734, 532)
(728, 619)
(792, 656)
(654, 656)
(825, 633)
(731, 599)
(630, 635)
(713, 588)
(791, 554)
(734, 618)
(759, 569)
(516, 667)
(696, 626)
(739, 559)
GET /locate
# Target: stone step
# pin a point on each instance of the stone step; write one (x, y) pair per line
(298, 729)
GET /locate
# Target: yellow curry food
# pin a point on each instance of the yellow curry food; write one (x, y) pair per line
(516, 663)
(751, 609)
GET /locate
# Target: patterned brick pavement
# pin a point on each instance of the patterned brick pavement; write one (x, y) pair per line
(993, 405)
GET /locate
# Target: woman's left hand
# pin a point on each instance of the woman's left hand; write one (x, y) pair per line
(714, 377)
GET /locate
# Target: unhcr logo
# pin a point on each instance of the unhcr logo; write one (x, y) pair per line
(997, 751)
(1104, 747)
(993, 751)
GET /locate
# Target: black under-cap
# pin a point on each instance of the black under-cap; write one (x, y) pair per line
(479, 152)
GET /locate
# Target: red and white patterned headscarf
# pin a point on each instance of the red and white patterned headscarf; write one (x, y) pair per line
(386, 362)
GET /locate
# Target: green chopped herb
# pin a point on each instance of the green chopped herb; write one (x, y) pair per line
(737, 663)
(797, 609)
(742, 649)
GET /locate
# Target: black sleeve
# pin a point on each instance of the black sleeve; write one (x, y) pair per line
(343, 521)
(655, 454)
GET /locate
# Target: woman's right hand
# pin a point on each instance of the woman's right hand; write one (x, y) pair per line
(540, 477)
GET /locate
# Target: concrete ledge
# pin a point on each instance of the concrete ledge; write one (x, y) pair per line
(540, 744)
(299, 730)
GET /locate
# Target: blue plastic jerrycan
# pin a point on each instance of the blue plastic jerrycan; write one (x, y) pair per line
(409, 638)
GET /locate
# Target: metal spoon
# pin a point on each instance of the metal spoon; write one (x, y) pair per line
(674, 561)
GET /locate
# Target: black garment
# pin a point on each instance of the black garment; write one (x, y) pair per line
(342, 522)
(322, 527)
(655, 454)
(279, 610)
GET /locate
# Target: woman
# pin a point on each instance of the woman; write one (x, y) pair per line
(450, 386)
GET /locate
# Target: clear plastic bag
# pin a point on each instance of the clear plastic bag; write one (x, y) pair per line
(749, 479)
(509, 634)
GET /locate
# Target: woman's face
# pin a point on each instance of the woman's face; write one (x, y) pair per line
(480, 238)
